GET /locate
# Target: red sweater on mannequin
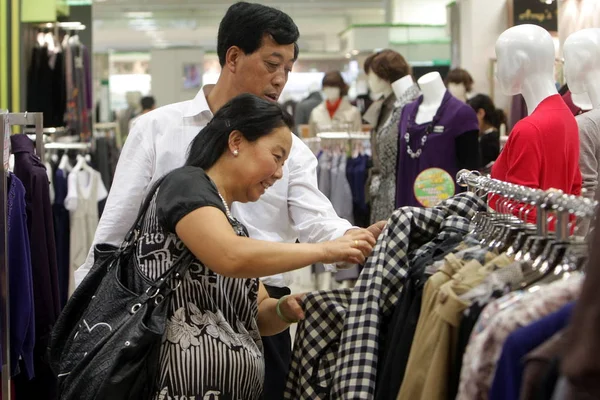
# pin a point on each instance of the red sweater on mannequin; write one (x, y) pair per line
(542, 151)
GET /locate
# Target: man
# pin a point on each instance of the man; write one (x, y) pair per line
(148, 104)
(257, 50)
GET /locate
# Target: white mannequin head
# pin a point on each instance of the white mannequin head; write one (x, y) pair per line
(582, 64)
(526, 57)
(433, 89)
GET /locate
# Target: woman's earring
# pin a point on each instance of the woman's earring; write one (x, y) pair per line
(236, 153)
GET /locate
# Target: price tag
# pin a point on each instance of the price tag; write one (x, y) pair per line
(433, 186)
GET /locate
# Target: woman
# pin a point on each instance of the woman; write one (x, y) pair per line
(336, 112)
(212, 346)
(490, 119)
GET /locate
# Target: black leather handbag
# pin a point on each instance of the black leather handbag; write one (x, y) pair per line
(106, 342)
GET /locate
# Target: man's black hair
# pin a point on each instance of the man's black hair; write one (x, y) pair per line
(245, 25)
(147, 102)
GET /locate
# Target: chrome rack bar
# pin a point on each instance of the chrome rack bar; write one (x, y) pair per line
(551, 199)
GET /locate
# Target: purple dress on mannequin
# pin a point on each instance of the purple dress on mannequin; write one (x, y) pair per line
(452, 144)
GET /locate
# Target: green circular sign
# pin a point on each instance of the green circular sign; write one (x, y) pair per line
(433, 186)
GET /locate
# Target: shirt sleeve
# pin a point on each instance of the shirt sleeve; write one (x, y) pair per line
(132, 176)
(184, 190)
(311, 213)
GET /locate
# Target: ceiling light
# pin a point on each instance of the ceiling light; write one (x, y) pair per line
(355, 52)
(139, 14)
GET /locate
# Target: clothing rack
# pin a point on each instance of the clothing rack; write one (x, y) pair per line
(71, 26)
(68, 146)
(545, 201)
(7, 121)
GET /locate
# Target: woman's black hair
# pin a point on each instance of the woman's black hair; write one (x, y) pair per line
(253, 116)
(493, 116)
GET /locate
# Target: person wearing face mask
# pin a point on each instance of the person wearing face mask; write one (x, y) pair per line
(257, 49)
(490, 119)
(335, 113)
(459, 83)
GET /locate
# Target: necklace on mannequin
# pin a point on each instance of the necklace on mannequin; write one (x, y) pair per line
(431, 127)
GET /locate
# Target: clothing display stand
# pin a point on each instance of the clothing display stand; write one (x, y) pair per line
(7, 121)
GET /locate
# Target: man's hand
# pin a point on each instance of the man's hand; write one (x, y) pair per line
(377, 228)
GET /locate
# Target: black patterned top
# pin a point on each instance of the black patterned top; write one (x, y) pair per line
(212, 347)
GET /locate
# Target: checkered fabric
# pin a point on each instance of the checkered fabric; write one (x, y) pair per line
(335, 350)
(316, 344)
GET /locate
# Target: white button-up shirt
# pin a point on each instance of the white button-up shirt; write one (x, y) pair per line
(293, 208)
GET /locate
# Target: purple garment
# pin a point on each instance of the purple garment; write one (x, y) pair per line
(22, 318)
(441, 150)
(509, 369)
(88, 78)
(62, 233)
(518, 110)
(31, 171)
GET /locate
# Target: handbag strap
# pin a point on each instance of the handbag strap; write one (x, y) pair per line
(134, 231)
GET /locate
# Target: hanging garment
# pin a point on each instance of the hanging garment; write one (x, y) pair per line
(62, 229)
(395, 344)
(341, 194)
(356, 174)
(509, 369)
(22, 314)
(350, 319)
(435, 338)
(490, 333)
(589, 159)
(46, 86)
(383, 185)
(82, 202)
(449, 142)
(32, 173)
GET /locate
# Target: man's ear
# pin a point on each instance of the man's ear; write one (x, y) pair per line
(232, 58)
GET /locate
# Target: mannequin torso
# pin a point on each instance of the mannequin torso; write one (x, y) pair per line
(582, 70)
(542, 150)
(433, 89)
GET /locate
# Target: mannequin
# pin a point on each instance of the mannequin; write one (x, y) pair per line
(305, 107)
(582, 70)
(389, 75)
(438, 136)
(542, 150)
(433, 89)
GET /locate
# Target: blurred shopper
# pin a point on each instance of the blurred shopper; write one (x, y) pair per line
(490, 119)
(336, 112)
(257, 48)
(148, 104)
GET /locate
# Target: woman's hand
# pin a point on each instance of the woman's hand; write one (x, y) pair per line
(291, 307)
(354, 247)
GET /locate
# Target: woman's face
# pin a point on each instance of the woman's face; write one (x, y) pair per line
(261, 163)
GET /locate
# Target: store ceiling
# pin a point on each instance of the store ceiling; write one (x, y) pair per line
(134, 25)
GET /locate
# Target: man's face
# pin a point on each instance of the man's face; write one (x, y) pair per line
(265, 72)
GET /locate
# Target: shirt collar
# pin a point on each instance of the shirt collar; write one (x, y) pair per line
(199, 105)
(21, 144)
